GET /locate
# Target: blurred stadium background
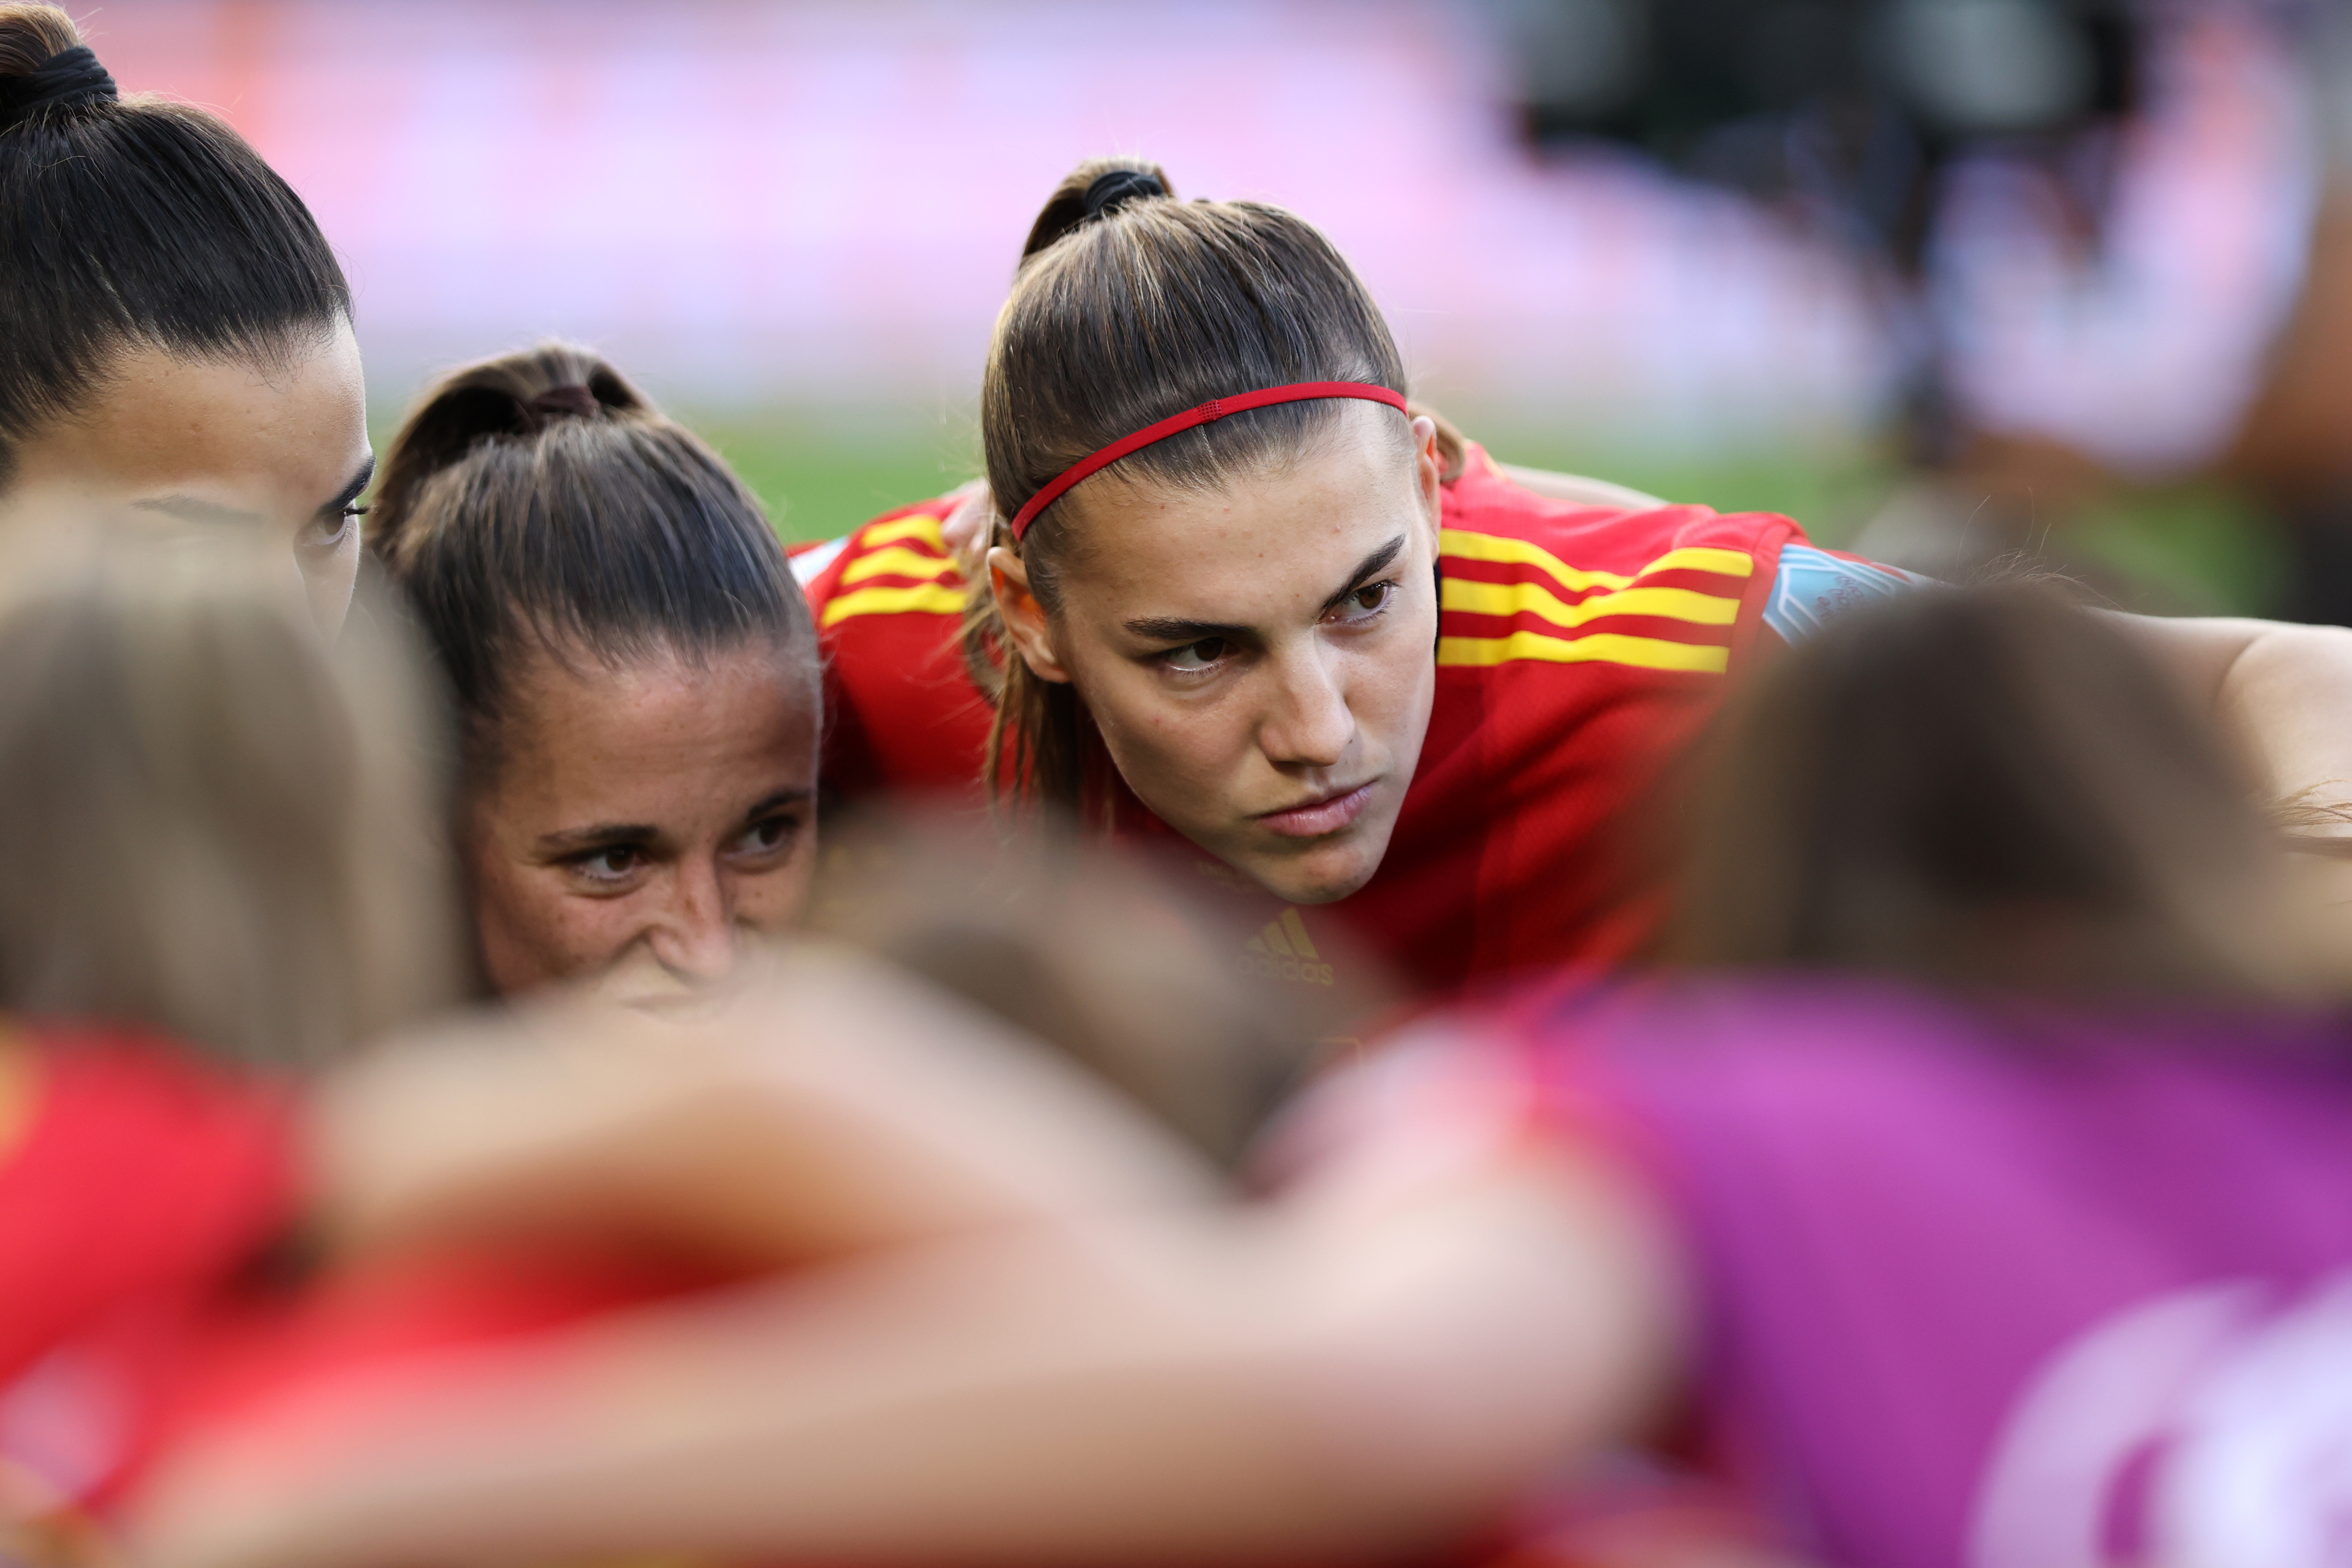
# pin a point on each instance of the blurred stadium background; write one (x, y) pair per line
(1953, 280)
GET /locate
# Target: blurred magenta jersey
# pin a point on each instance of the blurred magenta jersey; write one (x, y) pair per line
(1581, 648)
(1999, 1285)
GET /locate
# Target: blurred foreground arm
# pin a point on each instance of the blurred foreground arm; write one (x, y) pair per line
(1362, 1371)
(2284, 689)
(819, 1114)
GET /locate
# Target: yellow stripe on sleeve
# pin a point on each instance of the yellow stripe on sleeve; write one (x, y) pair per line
(1534, 598)
(1597, 648)
(927, 599)
(1495, 547)
(1703, 558)
(921, 526)
(898, 560)
(1465, 546)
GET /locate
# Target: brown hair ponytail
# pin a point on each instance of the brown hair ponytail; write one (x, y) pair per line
(538, 501)
(1129, 306)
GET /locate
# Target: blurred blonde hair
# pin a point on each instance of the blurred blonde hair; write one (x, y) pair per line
(1098, 956)
(1989, 787)
(215, 825)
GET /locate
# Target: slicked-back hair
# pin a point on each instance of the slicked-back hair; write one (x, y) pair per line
(1122, 315)
(130, 223)
(538, 505)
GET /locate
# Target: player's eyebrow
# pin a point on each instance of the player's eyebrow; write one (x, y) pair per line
(1160, 628)
(352, 492)
(1377, 562)
(783, 797)
(603, 836)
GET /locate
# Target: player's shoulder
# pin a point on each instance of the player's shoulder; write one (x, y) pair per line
(1812, 586)
(1529, 579)
(1619, 541)
(895, 564)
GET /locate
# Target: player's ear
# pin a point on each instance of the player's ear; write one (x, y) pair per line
(1429, 466)
(1025, 621)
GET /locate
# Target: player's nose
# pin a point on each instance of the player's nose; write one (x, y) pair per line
(1307, 723)
(696, 936)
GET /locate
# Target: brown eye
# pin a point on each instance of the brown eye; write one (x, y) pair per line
(612, 865)
(1193, 658)
(1367, 602)
(767, 835)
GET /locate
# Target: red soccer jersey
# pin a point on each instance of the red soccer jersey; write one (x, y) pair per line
(1581, 649)
(341, 1354)
(141, 1176)
(901, 712)
(140, 1183)
(136, 1195)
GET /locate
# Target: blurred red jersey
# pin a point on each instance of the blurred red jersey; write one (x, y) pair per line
(1581, 648)
(139, 1175)
(145, 1199)
(902, 715)
(139, 1184)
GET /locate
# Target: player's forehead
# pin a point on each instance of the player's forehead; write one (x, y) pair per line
(1258, 546)
(278, 436)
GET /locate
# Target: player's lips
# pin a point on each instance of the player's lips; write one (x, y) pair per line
(1324, 814)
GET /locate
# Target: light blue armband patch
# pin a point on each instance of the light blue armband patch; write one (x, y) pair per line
(1814, 587)
(808, 563)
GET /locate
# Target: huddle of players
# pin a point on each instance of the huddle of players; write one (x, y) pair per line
(1408, 710)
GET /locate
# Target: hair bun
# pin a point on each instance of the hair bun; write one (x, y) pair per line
(70, 76)
(1095, 188)
(557, 402)
(1115, 188)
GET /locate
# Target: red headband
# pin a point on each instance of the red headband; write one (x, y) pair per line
(1216, 408)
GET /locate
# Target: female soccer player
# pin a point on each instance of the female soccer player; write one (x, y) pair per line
(225, 875)
(2011, 1234)
(174, 335)
(634, 667)
(222, 871)
(1242, 598)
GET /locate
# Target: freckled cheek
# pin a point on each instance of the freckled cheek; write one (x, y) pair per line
(770, 903)
(534, 929)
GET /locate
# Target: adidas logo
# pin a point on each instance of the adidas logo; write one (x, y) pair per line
(1282, 951)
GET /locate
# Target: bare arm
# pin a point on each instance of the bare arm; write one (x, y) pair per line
(834, 1108)
(1362, 1371)
(2284, 689)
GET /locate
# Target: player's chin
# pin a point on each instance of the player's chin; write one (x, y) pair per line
(1321, 870)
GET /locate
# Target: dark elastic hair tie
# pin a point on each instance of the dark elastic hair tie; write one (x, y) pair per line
(67, 77)
(557, 401)
(1114, 190)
